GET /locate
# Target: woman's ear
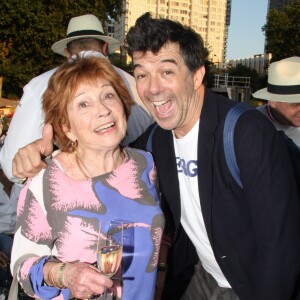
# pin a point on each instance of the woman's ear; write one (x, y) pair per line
(198, 77)
(67, 131)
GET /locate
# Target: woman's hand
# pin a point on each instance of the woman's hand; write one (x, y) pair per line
(84, 280)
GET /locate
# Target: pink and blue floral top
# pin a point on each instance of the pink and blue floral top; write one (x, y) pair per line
(59, 216)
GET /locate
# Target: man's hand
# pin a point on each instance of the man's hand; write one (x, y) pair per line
(28, 161)
(4, 260)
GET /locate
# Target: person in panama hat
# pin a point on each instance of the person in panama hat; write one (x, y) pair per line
(85, 37)
(283, 95)
(82, 27)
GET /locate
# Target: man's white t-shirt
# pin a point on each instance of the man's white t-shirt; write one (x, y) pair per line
(191, 213)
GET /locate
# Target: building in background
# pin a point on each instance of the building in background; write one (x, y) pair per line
(210, 18)
(259, 62)
(110, 28)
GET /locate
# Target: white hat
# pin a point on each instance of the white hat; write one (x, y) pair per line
(86, 26)
(283, 81)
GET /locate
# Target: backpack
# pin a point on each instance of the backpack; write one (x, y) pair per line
(228, 135)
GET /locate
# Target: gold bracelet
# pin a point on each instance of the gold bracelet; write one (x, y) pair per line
(162, 267)
(51, 274)
(60, 283)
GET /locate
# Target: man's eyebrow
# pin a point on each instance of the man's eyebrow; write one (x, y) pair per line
(167, 60)
(135, 66)
(170, 60)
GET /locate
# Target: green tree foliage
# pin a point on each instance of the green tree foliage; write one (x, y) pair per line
(28, 28)
(282, 31)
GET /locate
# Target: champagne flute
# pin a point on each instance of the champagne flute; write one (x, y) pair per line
(110, 248)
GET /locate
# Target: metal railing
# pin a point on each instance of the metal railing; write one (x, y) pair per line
(231, 81)
(235, 87)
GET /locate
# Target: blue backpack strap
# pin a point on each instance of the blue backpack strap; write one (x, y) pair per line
(228, 140)
(150, 138)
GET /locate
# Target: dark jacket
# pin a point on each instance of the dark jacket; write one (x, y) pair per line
(255, 231)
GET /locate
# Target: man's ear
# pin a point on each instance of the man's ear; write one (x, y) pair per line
(198, 77)
(272, 103)
(105, 49)
(67, 53)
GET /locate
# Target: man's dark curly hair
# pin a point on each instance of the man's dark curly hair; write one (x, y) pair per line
(149, 34)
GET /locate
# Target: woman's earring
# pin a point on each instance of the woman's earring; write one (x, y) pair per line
(73, 145)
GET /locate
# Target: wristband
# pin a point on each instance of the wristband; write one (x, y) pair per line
(162, 267)
(60, 275)
(22, 181)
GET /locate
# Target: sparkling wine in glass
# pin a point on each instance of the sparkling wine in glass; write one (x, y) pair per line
(110, 248)
(110, 257)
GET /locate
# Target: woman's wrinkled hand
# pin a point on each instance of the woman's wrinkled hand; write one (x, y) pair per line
(84, 280)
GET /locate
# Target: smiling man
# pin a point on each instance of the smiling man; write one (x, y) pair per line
(173, 104)
(239, 242)
(283, 95)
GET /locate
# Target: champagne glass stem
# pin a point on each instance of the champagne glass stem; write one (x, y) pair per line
(105, 294)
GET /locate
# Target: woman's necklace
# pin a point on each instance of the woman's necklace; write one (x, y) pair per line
(82, 167)
(85, 170)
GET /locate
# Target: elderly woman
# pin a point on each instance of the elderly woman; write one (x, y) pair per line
(92, 179)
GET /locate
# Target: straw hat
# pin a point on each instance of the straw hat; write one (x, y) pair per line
(283, 81)
(86, 26)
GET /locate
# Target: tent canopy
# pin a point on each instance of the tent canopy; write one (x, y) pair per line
(8, 102)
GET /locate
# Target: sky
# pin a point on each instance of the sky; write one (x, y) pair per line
(245, 37)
